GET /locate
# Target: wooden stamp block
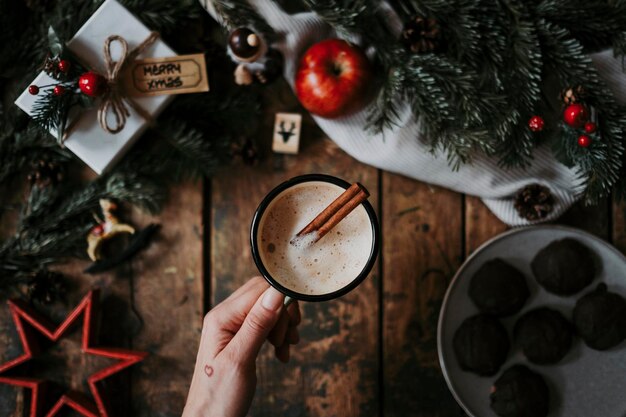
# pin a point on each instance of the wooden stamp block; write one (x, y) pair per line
(287, 133)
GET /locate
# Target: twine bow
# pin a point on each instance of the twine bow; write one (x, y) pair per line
(113, 99)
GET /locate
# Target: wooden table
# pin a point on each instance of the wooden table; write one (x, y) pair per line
(371, 353)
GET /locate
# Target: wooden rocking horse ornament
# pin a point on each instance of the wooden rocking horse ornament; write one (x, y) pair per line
(106, 229)
(109, 228)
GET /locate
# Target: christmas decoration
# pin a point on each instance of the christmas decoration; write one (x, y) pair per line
(243, 76)
(64, 65)
(56, 213)
(255, 61)
(33, 89)
(90, 101)
(287, 127)
(590, 127)
(421, 34)
(534, 202)
(58, 90)
(272, 67)
(332, 78)
(139, 241)
(572, 95)
(55, 65)
(575, 115)
(536, 123)
(249, 152)
(245, 44)
(29, 323)
(92, 84)
(584, 141)
(105, 229)
(45, 173)
(499, 64)
(46, 287)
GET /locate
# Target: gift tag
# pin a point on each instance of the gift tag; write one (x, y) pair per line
(287, 133)
(171, 75)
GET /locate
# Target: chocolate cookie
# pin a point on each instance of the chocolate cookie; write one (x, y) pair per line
(520, 392)
(481, 345)
(564, 267)
(600, 318)
(544, 335)
(498, 288)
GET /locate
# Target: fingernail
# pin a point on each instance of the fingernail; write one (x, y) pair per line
(272, 299)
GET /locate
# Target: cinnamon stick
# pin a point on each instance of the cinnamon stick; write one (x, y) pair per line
(335, 212)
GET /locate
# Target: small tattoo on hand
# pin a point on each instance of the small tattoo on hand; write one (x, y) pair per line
(208, 370)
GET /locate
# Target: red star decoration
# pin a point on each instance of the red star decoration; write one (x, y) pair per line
(88, 307)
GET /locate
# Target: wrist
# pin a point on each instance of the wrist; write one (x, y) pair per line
(195, 409)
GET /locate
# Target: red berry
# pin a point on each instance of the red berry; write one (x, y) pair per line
(575, 115)
(64, 65)
(590, 127)
(536, 123)
(97, 230)
(92, 84)
(584, 141)
(33, 89)
(58, 90)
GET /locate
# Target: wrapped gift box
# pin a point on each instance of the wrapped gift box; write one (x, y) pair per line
(97, 148)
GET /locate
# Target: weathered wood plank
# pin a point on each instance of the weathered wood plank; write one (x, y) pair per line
(334, 369)
(64, 363)
(480, 224)
(618, 232)
(10, 198)
(422, 248)
(593, 219)
(168, 299)
(9, 349)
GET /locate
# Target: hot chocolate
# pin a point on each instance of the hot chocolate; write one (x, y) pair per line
(302, 266)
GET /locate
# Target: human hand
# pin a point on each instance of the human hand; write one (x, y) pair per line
(233, 332)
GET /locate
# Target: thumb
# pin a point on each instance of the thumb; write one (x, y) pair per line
(257, 325)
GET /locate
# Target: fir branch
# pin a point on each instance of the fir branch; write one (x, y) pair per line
(238, 13)
(191, 153)
(164, 16)
(593, 24)
(18, 149)
(345, 16)
(384, 111)
(565, 56)
(619, 47)
(521, 82)
(51, 112)
(459, 21)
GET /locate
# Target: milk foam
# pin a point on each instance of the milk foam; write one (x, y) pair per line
(325, 266)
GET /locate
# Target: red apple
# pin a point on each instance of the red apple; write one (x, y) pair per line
(333, 78)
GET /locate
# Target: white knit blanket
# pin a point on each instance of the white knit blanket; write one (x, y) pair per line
(403, 151)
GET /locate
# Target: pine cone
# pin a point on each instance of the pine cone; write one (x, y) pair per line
(421, 34)
(51, 67)
(45, 173)
(247, 151)
(572, 95)
(534, 202)
(46, 287)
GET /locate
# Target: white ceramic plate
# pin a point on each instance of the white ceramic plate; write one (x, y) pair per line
(586, 383)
